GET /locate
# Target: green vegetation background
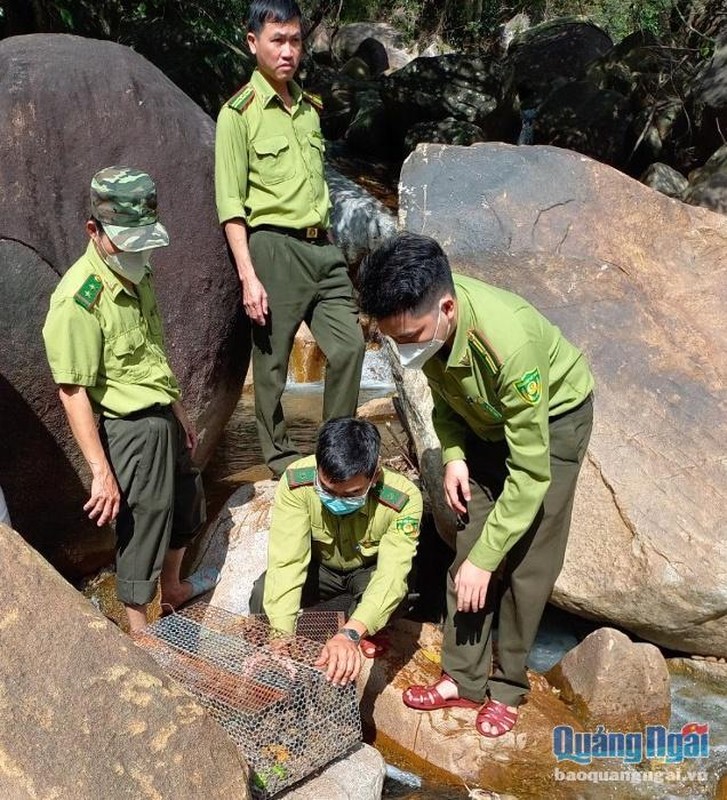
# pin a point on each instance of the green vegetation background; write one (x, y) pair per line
(200, 44)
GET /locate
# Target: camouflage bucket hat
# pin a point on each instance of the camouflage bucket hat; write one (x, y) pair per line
(124, 201)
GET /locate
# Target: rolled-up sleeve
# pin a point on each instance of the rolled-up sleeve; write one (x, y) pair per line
(231, 165)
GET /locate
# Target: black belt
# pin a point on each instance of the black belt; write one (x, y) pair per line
(157, 408)
(312, 234)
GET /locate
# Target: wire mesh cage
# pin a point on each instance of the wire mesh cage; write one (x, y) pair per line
(277, 708)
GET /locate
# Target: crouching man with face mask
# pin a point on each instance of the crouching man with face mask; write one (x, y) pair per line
(104, 343)
(342, 525)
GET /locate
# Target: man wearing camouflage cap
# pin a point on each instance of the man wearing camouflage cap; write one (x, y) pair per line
(104, 342)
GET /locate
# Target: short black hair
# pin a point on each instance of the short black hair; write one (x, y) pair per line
(262, 11)
(408, 272)
(347, 447)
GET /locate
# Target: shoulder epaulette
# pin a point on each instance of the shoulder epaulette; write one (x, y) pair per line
(485, 351)
(315, 100)
(392, 498)
(242, 99)
(302, 476)
(87, 295)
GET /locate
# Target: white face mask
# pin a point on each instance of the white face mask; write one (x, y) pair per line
(415, 355)
(131, 266)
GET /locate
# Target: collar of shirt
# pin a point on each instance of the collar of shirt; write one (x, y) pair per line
(109, 278)
(267, 94)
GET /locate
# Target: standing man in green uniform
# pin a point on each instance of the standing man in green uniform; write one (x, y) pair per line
(273, 202)
(103, 339)
(342, 525)
(513, 413)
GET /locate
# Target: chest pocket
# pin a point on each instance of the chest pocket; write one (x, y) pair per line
(368, 547)
(127, 359)
(274, 159)
(318, 149)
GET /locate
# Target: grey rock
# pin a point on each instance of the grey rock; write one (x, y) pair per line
(88, 714)
(708, 185)
(59, 123)
(665, 179)
(349, 38)
(580, 116)
(634, 279)
(557, 51)
(357, 776)
(469, 89)
(444, 131)
(608, 680)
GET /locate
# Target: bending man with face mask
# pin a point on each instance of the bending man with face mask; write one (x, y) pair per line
(513, 413)
(103, 339)
(342, 526)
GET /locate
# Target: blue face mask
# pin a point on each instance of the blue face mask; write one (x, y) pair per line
(340, 506)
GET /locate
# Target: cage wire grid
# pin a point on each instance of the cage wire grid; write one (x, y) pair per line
(262, 688)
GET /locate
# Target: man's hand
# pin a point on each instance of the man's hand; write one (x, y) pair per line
(254, 299)
(342, 660)
(471, 584)
(457, 486)
(190, 431)
(103, 505)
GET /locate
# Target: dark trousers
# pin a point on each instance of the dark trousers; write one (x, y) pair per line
(304, 282)
(321, 584)
(529, 570)
(162, 501)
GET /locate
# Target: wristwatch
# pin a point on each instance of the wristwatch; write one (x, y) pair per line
(351, 635)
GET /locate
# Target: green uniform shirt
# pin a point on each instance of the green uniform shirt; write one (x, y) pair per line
(508, 372)
(269, 160)
(99, 335)
(303, 528)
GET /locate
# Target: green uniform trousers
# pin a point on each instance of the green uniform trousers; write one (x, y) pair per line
(322, 583)
(162, 501)
(520, 589)
(304, 282)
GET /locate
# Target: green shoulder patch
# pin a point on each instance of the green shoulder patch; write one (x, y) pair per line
(409, 526)
(485, 351)
(87, 295)
(392, 498)
(302, 476)
(242, 99)
(315, 100)
(530, 387)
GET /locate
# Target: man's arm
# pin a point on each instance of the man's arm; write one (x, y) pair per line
(103, 504)
(254, 296)
(231, 172)
(289, 554)
(451, 431)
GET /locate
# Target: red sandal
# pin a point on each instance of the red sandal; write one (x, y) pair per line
(428, 698)
(374, 646)
(498, 716)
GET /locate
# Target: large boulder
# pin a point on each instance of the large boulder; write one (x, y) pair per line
(469, 89)
(633, 278)
(59, 123)
(377, 43)
(555, 52)
(86, 713)
(706, 105)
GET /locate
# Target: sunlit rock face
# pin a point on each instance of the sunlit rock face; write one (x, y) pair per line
(636, 280)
